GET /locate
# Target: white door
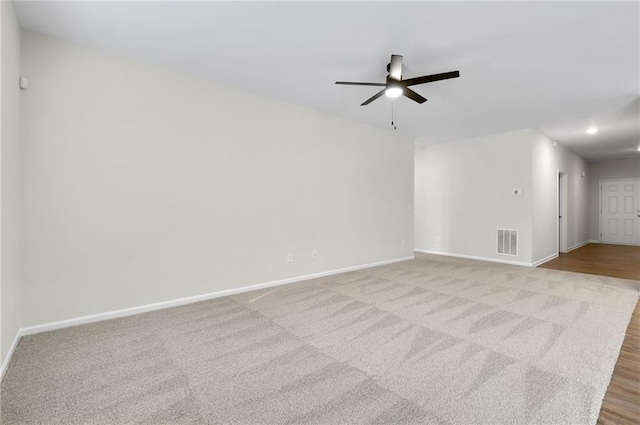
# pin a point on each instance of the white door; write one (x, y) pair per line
(620, 212)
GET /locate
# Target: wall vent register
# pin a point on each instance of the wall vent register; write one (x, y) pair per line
(507, 242)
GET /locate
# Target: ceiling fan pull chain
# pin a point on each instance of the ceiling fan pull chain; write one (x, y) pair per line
(393, 114)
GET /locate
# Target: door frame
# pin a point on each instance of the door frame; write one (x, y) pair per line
(600, 209)
(561, 210)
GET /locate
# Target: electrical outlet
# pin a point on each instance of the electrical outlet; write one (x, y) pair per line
(13, 302)
(290, 257)
(314, 255)
(403, 242)
(438, 238)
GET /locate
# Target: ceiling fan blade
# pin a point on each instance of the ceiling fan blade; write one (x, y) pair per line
(347, 83)
(431, 78)
(395, 67)
(374, 97)
(413, 95)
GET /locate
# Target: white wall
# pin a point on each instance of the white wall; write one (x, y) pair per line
(10, 212)
(464, 192)
(547, 160)
(603, 170)
(142, 185)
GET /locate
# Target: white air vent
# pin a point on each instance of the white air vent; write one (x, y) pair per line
(507, 242)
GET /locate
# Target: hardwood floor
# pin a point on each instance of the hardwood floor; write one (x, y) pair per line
(621, 405)
(606, 260)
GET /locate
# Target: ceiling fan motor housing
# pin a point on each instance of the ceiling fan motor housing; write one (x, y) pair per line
(393, 83)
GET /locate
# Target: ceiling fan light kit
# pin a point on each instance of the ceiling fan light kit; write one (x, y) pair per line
(393, 92)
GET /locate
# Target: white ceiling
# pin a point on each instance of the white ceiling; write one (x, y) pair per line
(558, 67)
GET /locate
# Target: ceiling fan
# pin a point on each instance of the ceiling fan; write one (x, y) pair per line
(396, 86)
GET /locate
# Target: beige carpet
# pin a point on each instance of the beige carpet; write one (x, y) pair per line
(429, 341)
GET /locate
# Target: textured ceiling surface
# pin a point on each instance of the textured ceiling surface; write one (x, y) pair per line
(559, 67)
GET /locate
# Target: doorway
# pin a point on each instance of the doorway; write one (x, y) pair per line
(620, 212)
(562, 212)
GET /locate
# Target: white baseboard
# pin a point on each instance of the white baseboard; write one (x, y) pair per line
(473, 257)
(611, 243)
(576, 246)
(617, 243)
(30, 330)
(544, 260)
(7, 359)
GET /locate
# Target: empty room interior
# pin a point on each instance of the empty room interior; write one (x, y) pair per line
(319, 212)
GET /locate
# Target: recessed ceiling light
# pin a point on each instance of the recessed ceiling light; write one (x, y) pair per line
(639, 148)
(592, 130)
